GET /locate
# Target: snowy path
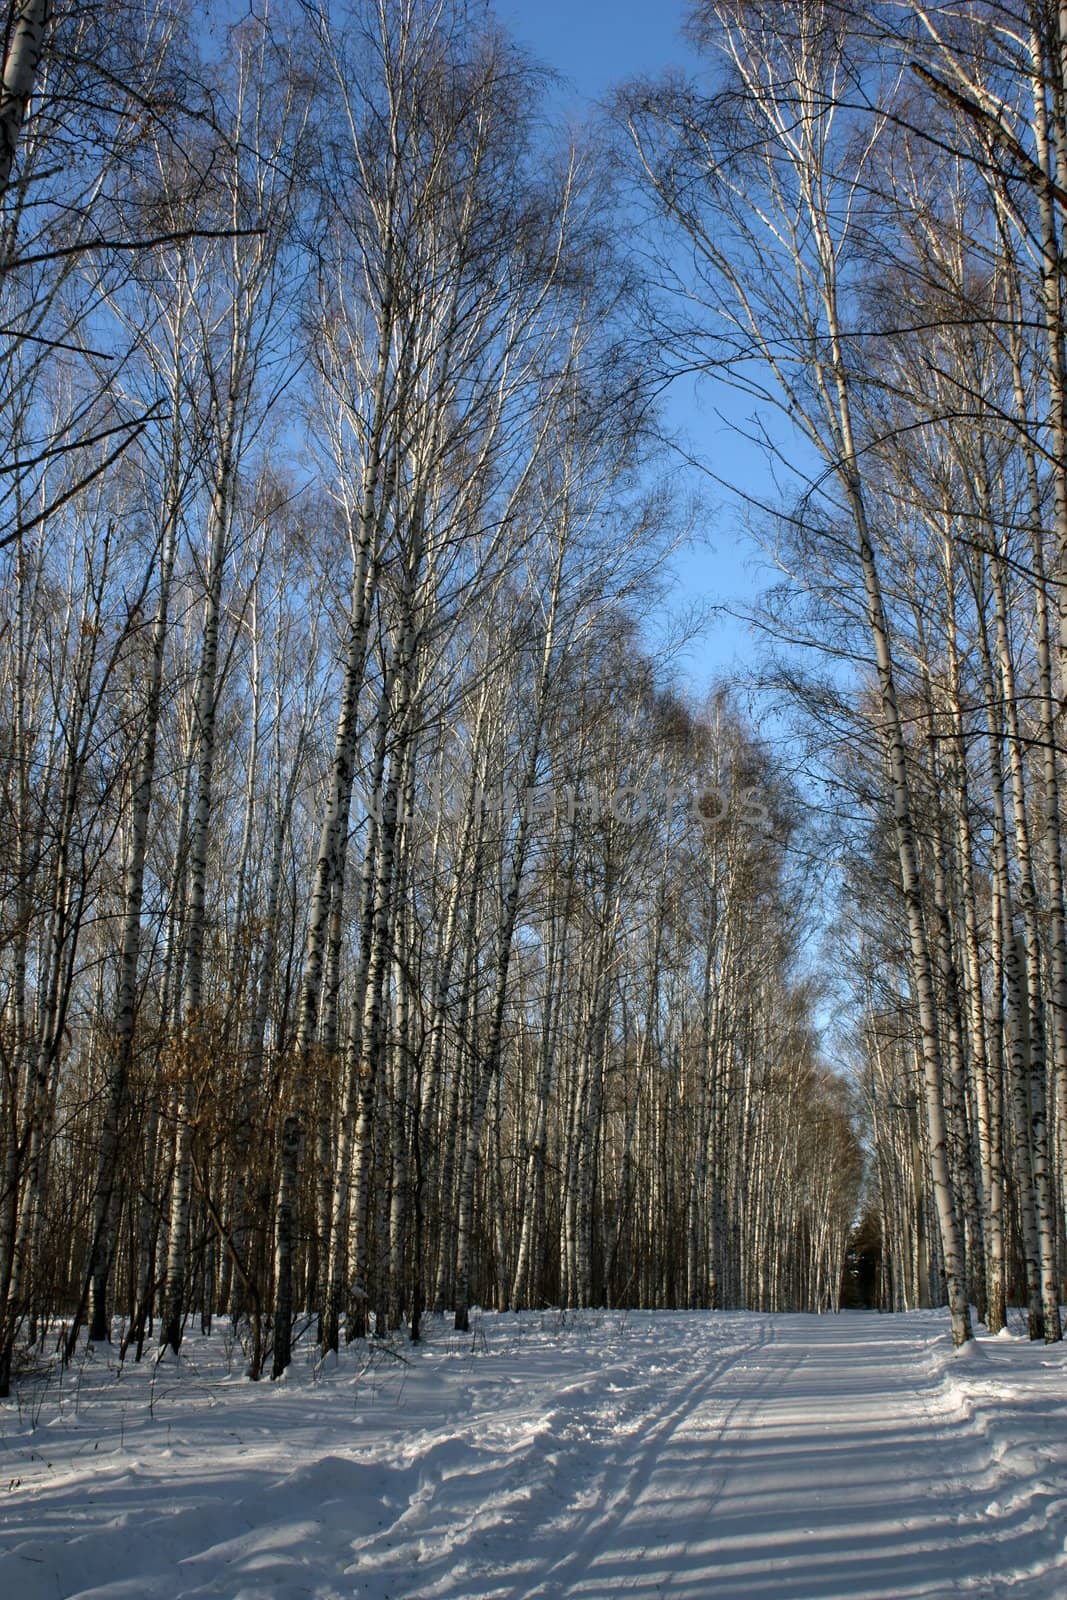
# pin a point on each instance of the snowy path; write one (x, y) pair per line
(730, 1457)
(828, 1460)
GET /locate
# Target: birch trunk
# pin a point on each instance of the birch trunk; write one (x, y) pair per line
(24, 53)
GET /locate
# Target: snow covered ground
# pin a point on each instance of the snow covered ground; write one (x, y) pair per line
(700, 1456)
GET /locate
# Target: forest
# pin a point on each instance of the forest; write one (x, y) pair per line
(385, 929)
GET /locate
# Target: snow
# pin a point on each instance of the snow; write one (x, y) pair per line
(705, 1456)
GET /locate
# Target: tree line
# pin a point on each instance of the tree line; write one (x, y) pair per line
(381, 930)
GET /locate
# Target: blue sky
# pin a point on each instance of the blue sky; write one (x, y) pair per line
(595, 45)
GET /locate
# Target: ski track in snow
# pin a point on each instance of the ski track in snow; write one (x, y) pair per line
(594, 1455)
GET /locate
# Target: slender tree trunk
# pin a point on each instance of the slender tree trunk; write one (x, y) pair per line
(20, 75)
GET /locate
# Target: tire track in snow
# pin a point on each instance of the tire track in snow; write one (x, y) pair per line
(580, 1447)
(629, 1475)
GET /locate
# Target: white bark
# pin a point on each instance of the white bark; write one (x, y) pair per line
(20, 74)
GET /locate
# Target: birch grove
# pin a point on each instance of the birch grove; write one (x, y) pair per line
(385, 932)
(872, 208)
